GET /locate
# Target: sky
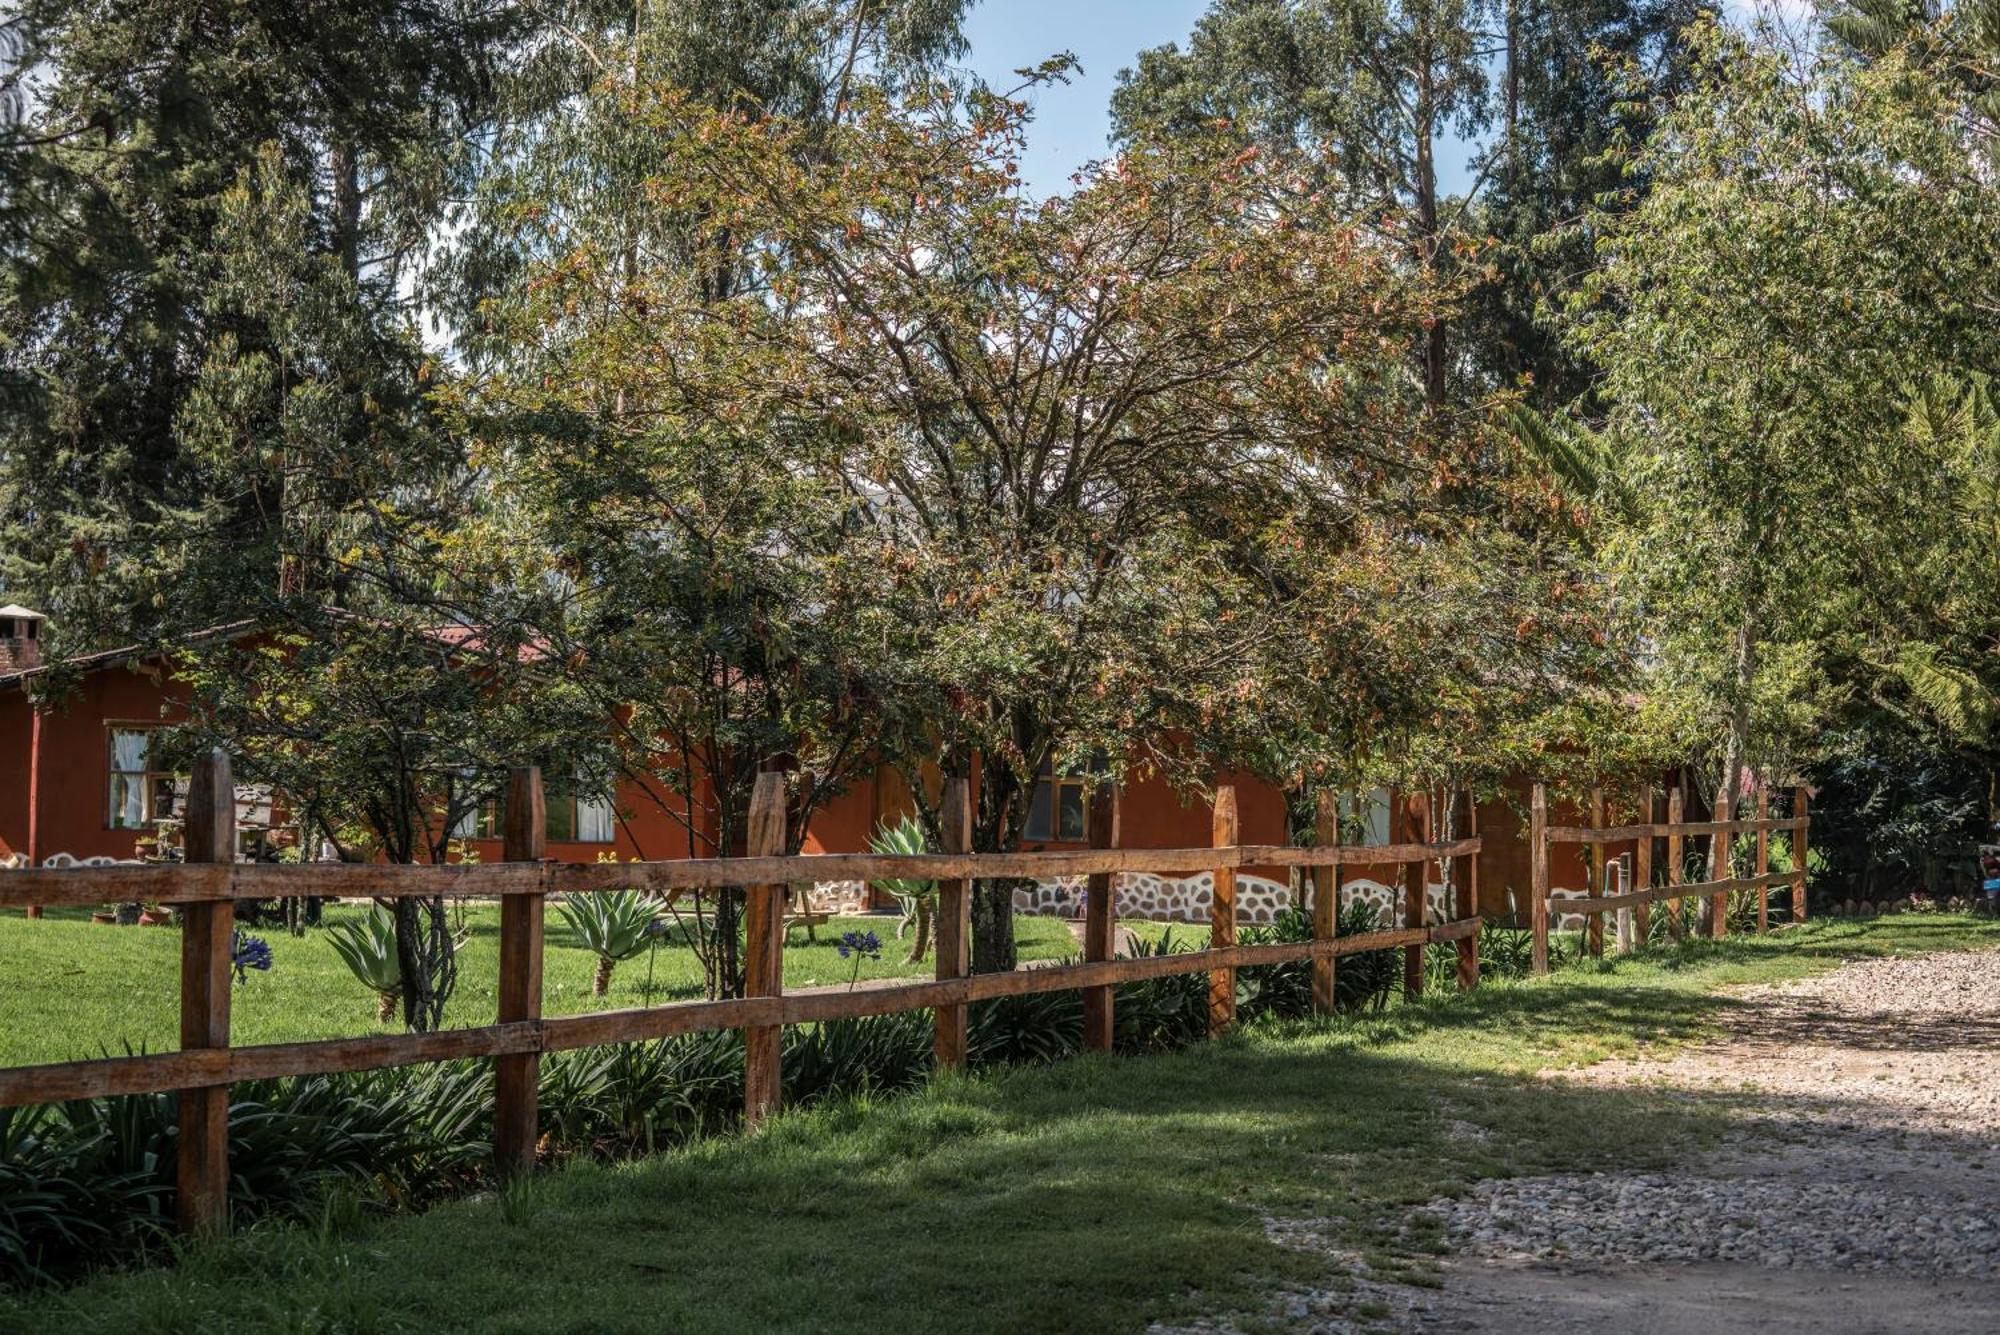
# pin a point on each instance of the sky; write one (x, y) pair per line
(1105, 35)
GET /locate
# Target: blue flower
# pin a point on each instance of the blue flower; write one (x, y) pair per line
(247, 953)
(866, 945)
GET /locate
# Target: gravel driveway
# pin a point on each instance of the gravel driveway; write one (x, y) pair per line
(1863, 1193)
(1857, 1189)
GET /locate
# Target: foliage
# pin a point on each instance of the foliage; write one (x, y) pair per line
(1753, 414)
(613, 925)
(367, 946)
(918, 898)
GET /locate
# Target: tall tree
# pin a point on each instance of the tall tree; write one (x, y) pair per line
(1068, 441)
(1525, 95)
(1817, 241)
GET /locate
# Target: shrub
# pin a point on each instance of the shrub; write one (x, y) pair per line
(367, 946)
(613, 925)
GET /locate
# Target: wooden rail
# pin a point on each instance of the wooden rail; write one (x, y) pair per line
(208, 1064)
(1596, 836)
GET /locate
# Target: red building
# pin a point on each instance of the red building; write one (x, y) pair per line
(80, 779)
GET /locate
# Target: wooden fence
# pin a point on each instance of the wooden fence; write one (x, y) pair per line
(1717, 889)
(208, 883)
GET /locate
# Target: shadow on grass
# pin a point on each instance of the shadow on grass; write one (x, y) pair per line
(1097, 1194)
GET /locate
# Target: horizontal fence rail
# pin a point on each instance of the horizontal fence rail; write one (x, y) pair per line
(208, 886)
(187, 883)
(1594, 837)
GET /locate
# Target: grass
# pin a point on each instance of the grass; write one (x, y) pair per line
(81, 989)
(1098, 1194)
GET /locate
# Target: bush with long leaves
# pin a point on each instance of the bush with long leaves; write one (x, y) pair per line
(613, 925)
(917, 897)
(367, 946)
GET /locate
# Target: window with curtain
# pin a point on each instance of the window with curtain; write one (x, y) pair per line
(1367, 818)
(141, 792)
(568, 818)
(1060, 805)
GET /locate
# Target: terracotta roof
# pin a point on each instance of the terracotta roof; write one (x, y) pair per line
(104, 658)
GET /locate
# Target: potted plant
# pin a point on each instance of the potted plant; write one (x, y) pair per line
(154, 914)
(107, 915)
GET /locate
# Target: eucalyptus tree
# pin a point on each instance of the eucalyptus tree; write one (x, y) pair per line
(1395, 96)
(1816, 245)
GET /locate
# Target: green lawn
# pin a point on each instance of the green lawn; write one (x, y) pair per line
(75, 988)
(1098, 1194)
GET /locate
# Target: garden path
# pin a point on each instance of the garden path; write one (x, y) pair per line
(1857, 1188)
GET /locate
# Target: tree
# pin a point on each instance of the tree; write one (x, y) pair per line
(1390, 88)
(1809, 250)
(709, 602)
(147, 118)
(1065, 443)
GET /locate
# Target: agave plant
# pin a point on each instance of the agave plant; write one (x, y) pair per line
(367, 945)
(917, 897)
(613, 925)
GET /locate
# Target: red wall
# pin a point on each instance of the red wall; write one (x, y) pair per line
(74, 797)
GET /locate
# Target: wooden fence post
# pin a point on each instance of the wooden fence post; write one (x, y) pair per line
(208, 933)
(1223, 833)
(1100, 918)
(1538, 864)
(1595, 861)
(764, 952)
(1416, 896)
(1642, 873)
(1676, 809)
(1763, 856)
(1801, 814)
(1468, 900)
(1718, 865)
(953, 939)
(1326, 900)
(517, 1076)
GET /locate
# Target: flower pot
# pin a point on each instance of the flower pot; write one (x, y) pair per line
(106, 918)
(154, 918)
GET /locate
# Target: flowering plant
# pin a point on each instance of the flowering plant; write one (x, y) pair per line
(858, 946)
(249, 952)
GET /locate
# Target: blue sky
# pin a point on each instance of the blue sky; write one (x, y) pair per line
(1106, 36)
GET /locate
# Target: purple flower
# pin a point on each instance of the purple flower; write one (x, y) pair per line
(247, 953)
(864, 945)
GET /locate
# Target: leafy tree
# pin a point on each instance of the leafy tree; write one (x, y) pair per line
(1066, 440)
(1809, 251)
(148, 118)
(710, 600)
(1390, 88)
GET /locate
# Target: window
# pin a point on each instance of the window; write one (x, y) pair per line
(1365, 818)
(567, 818)
(140, 791)
(1057, 811)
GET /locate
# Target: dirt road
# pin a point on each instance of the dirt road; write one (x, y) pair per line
(1862, 1195)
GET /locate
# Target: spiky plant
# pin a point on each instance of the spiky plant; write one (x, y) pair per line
(917, 897)
(367, 946)
(613, 925)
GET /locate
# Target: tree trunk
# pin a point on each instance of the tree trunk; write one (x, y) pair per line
(601, 982)
(1434, 348)
(921, 916)
(425, 961)
(996, 828)
(993, 926)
